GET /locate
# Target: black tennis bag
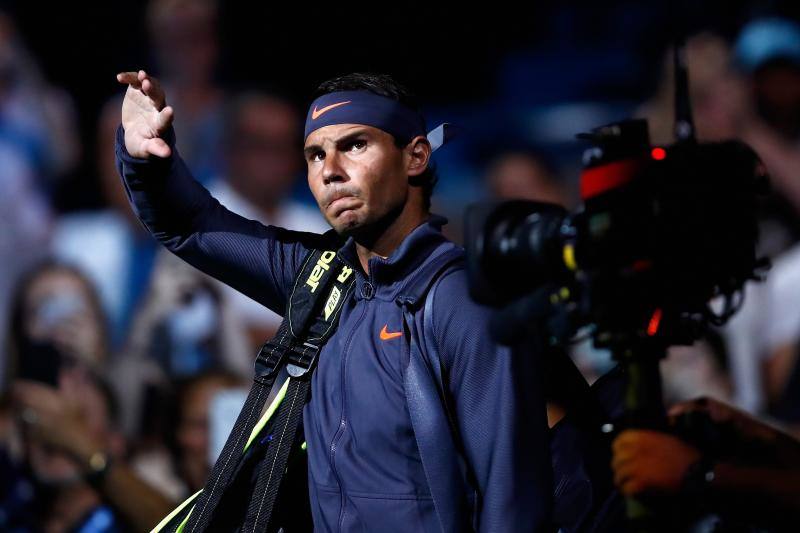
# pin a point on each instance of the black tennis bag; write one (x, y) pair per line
(247, 481)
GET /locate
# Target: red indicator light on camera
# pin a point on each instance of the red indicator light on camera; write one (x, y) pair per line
(655, 321)
(658, 154)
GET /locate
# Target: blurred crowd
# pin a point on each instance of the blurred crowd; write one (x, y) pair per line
(121, 365)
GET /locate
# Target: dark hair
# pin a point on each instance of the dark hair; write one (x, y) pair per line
(385, 85)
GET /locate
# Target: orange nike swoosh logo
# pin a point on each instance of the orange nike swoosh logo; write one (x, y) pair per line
(319, 112)
(386, 335)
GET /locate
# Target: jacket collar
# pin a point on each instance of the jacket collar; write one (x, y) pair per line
(387, 276)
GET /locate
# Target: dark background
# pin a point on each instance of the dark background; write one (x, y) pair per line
(446, 54)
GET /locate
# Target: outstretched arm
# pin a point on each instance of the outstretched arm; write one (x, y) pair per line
(258, 260)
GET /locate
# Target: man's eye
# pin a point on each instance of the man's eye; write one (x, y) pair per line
(357, 145)
(317, 156)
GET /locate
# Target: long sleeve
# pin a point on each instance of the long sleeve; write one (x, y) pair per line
(258, 260)
(499, 411)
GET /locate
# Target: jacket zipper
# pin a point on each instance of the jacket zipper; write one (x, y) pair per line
(343, 418)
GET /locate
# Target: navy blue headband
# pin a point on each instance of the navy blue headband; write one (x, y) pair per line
(370, 109)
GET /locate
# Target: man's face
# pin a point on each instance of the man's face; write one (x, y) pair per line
(357, 175)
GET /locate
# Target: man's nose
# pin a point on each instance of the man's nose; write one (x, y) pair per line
(331, 168)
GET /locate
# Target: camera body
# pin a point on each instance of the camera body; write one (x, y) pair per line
(662, 231)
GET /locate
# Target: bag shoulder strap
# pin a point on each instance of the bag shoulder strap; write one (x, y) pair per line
(425, 400)
(311, 317)
(418, 284)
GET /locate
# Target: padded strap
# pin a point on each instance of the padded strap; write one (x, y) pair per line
(311, 317)
(426, 401)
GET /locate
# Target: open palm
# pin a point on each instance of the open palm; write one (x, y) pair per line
(145, 115)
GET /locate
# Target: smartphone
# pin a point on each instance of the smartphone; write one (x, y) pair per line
(40, 361)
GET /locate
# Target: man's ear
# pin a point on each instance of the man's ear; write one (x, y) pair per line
(419, 152)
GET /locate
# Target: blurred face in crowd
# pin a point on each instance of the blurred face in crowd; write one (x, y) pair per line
(777, 92)
(194, 426)
(60, 341)
(58, 309)
(184, 35)
(519, 176)
(359, 177)
(717, 93)
(263, 157)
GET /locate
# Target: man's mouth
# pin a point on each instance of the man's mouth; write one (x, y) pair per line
(342, 203)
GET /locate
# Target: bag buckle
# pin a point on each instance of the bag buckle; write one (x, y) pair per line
(269, 360)
(302, 359)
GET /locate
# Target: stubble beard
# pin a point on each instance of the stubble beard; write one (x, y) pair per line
(369, 231)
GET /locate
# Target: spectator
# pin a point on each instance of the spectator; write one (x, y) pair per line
(38, 145)
(68, 437)
(122, 272)
(193, 431)
(764, 336)
(184, 41)
(77, 458)
(727, 370)
(768, 53)
(716, 90)
(36, 119)
(184, 327)
(263, 159)
(56, 313)
(525, 175)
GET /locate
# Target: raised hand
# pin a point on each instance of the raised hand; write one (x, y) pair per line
(145, 115)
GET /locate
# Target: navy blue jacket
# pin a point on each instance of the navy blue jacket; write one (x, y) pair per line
(365, 470)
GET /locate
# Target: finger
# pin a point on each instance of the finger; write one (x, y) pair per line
(151, 91)
(129, 78)
(157, 147)
(686, 407)
(71, 387)
(720, 412)
(165, 117)
(24, 389)
(620, 459)
(622, 475)
(624, 463)
(638, 438)
(133, 81)
(31, 395)
(626, 440)
(632, 487)
(152, 88)
(677, 410)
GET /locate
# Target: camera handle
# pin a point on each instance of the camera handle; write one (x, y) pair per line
(644, 408)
